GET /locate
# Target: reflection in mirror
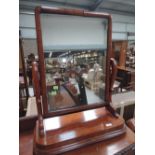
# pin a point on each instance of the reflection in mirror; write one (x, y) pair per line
(75, 60)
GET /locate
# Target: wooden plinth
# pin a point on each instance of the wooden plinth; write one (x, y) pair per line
(72, 131)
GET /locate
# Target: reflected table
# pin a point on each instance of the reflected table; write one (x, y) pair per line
(60, 100)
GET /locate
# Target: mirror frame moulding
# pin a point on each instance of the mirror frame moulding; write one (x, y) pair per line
(61, 11)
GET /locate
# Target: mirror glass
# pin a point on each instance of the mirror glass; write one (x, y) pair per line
(75, 60)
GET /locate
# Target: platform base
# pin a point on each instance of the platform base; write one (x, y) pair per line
(72, 131)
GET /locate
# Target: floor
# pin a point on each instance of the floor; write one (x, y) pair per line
(92, 97)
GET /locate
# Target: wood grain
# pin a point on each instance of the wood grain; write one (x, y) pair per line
(107, 147)
(72, 131)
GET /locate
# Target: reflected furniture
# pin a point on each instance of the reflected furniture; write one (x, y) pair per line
(124, 103)
(61, 100)
(119, 49)
(126, 77)
(90, 81)
(124, 56)
(130, 55)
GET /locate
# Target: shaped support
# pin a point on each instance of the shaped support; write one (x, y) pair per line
(35, 75)
(113, 73)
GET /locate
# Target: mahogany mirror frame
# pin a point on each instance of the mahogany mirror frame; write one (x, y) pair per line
(73, 12)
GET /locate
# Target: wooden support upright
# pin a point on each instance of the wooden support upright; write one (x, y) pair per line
(113, 73)
(35, 76)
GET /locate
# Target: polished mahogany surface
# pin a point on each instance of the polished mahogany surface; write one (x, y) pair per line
(65, 133)
(107, 147)
(26, 142)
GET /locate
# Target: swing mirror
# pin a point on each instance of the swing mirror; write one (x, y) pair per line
(73, 58)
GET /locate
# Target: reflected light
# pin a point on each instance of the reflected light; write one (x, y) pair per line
(89, 115)
(64, 60)
(67, 135)
(50, 54)
(52, 123)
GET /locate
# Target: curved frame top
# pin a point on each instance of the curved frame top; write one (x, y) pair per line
(83, 13)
